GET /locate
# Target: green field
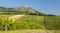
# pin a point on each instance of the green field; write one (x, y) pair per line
(24, 23)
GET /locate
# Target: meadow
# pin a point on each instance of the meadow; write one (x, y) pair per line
(29, 24)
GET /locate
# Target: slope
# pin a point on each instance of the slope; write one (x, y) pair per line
(20, 10)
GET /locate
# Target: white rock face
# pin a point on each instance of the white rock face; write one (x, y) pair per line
(25, 6)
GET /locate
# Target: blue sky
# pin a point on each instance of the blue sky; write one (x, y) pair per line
(45, 6)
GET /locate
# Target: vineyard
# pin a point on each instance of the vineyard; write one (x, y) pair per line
(23, 22)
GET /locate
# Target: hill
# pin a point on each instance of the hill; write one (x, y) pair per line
(20, 10)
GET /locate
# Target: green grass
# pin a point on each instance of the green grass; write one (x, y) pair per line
(48, 22)
(32, 18)
(52, 22)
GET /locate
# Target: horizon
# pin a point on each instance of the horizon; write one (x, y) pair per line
(44, 6)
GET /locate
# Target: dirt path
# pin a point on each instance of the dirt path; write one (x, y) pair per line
(15, 17)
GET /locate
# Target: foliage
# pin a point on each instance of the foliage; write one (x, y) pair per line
(52, 22)
(30, 22)
(18, 24)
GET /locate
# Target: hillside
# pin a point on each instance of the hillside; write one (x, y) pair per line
(20, 10)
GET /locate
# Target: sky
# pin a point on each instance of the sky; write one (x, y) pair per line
(44, 6)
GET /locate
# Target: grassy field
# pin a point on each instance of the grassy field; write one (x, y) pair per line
(49, 24)
(52, 22)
